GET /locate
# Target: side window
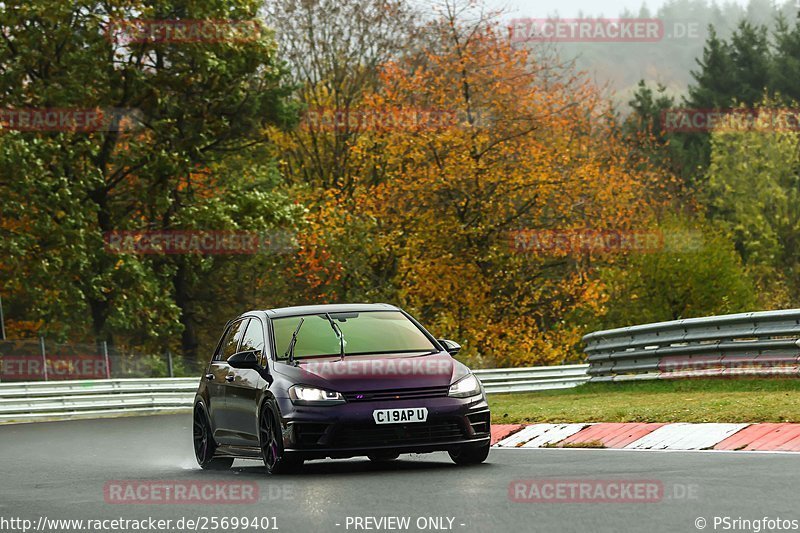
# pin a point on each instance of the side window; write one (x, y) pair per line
(231, 342)
(254, 336)
(221, 344)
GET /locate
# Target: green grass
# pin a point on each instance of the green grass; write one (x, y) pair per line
(696, 400)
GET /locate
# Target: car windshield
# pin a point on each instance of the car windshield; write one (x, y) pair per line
(365, 333)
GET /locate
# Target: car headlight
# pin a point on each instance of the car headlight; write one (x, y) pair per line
(465, 387)
(302, 395)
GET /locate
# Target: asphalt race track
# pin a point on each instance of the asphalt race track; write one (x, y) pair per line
(59, 470)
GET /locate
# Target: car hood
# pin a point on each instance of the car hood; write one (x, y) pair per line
(378, 372)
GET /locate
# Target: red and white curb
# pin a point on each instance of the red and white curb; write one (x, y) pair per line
(650, 436)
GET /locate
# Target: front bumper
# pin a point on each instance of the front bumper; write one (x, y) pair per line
(349, 429)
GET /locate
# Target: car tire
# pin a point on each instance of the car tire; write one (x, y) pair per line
(383, 457)
(470, 455)
(204, 445)
(276, 461)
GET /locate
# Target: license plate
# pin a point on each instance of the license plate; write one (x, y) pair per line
(400, 416)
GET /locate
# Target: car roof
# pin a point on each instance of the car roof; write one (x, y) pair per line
(327, 308)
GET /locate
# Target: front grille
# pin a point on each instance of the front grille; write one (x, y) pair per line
(352, 436)
(397, 394)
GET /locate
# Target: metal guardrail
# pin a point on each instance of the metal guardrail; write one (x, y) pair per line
(39, 400)
(763, 343)
(756, 344)
(506, 380)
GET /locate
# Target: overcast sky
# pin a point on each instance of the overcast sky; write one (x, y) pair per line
(570, 8)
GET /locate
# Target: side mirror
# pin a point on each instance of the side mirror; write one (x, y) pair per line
(452, 347)
(245, 359)
(249, 359)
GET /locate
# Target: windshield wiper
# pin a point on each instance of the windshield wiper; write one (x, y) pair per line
(339, 335)
(290, 350)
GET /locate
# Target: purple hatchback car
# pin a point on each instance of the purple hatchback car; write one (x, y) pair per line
(310, 382)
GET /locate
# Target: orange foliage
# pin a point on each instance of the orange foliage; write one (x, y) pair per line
(535, 146)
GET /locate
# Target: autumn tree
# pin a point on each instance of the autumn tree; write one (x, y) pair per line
(696, 272)
(753, 192)
(196, 104)
(334, 49)
(478, 140)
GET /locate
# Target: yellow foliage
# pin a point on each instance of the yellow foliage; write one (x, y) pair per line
(526, 145)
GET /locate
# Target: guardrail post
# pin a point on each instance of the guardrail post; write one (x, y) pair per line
(104, 347)
(169, 364)
(2, 321)
(44, 357)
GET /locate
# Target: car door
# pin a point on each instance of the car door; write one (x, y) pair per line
(242, 392)
(218, 376)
